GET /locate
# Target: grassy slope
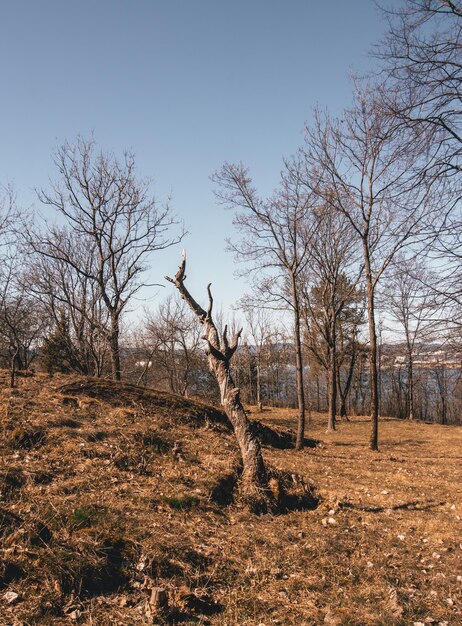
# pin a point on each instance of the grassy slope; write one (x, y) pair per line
(106, 495)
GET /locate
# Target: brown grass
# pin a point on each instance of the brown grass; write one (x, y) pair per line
(106, 492)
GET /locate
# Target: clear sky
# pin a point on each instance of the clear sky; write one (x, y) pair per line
(185, 85)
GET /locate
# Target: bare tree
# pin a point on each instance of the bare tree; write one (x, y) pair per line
(8, 216)
(411, 304)
(259, 324)
(331, 333)
(328, 289)
(104, 203)
(80, 321)
(174, 334)
(442, 378)
(422, 58)
(275, 248)
(220, 351)
(349, 347)
(22, 320)
(363, 167)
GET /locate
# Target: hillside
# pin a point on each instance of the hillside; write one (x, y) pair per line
(109, 491)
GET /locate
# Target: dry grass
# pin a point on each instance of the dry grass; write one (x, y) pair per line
(106, 493)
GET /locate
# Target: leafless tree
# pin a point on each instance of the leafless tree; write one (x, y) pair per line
(174, 336)
(8, 215)
(328, 289)
(421, 58)
(442, 379)
(276, 376)
(411, 304)
(260, 329)
(422, 55)
(349, 346)
(363, 167)
(73, 303)
(220, 351)
(274, 246)
(22, 320)
(331, 332)
(104, 204)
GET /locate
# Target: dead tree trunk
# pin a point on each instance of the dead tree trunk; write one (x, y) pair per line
(255, 487)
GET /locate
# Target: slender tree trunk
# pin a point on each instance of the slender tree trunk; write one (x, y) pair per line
(343, 415)
(362, 389)
(410, 376)
(373, 369)
(298, 369)
(318, 398)
(251, 395)
(332, 383)
(114, 346)
(13, 368)
(19, 360)
(379, 372)
(259, 402)
(410, 382)
(442, 391)
(343, 393)
(359, 395)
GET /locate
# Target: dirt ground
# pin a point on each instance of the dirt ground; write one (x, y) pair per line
(108, 493)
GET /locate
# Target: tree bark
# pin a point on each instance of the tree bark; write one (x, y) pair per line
(332, 381)
(410, 382)
(410, 372)
(13, 368)
(373, 369)
(346, 390)
(258, 383)
(254, 483)
(298, 369)
(318, 399)
(115, 348)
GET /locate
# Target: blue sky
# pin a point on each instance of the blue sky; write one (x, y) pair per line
(185, 85)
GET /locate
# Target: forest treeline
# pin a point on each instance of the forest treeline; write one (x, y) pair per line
(353, 261)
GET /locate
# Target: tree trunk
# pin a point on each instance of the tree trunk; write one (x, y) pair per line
(332, 384)
(114, 346)
(254, 485)
(258, 382)
(298, 369)
(13, 368)
(254, 477)
(373, 369)
(318, 400)
(344, 392)
(410, 378)
(374, 440)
